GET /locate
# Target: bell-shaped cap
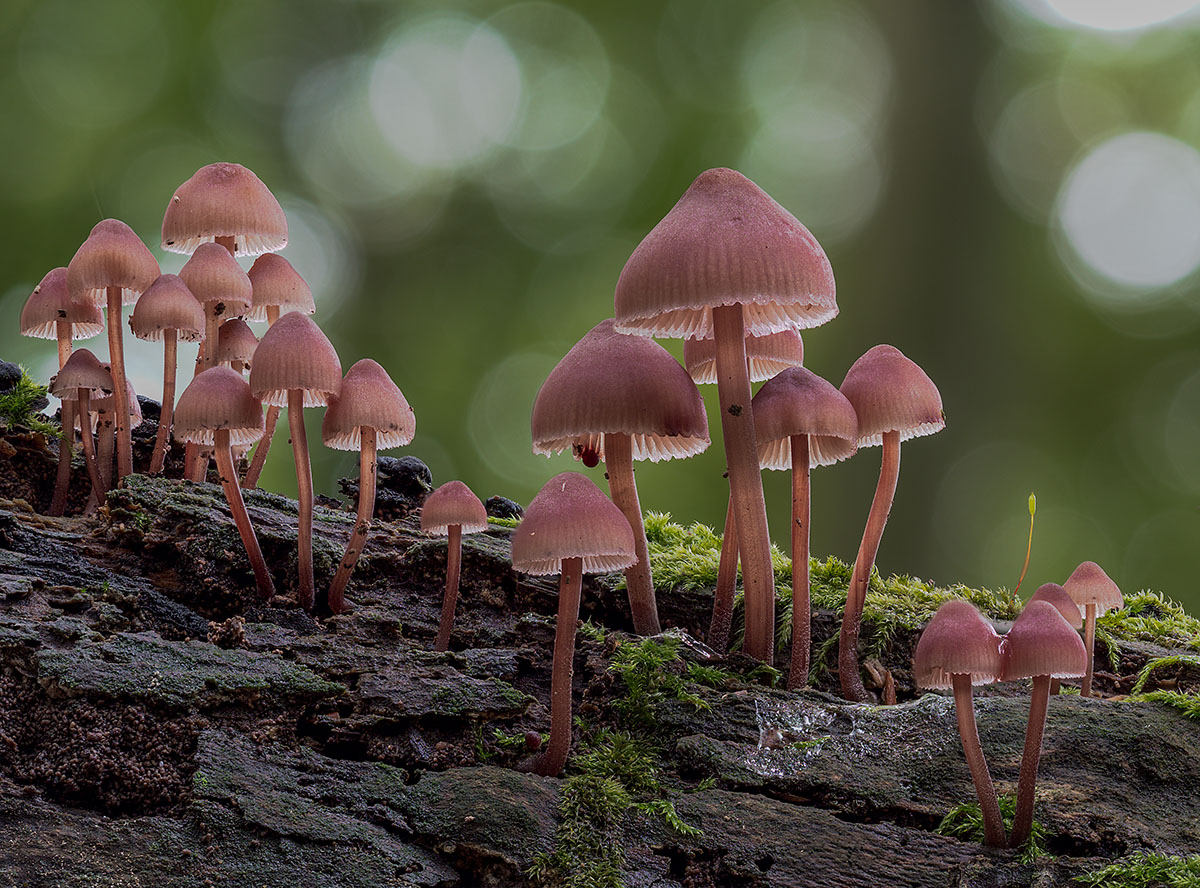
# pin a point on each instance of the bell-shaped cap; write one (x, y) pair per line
(453, 503)
(217, 281)
(1089, 584)
(766, 355)
(798, 402)
(105, 402)
(892, 394)
(295, 355)
(369, 398)
(1061, 599)
(112, 256)
(726, 242)
(611, 382)
(276, 284)
(237, 342)
(218, 398)
(168, 305)
(50, 302)
(224, 200)
(571, 518)
(81, 371)
(957, 641)
(1041, 642)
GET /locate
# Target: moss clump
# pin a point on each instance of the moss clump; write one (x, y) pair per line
(966, 822)
(1148, 616)
(22, 404)
(493, 521)
(1143, 870)
(1188, 704)
(1162, 663)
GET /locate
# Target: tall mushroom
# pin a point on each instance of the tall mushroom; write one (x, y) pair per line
(620, 398)
(1095, 593)
(727, 261)
(296, 366)
(800, 420)
(570, 528)
(369, 413)
(895, 401)
(450, 511)
(80, 377)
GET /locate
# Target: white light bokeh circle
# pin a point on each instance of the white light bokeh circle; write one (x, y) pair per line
(1110, 15)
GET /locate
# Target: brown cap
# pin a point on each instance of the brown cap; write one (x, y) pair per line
(112, 256)
(81, 371)
(237, 342)
(453, 503)
(1056, 595)
(798, 402)
(105, 402)
(168, 305)
(295, 354)
(218, 398)
(957, 641)
(571, 518)
(1089, 584)
(215, 279)
(368, 397)
(767, 355)
(611, 382)
(277, 284)
(224, 200)
(50, 302)
(1041, 642)
(892, 394)
(725, 242)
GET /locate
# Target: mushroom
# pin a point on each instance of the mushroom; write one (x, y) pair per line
(1094, 592)
(367, 414)
(894, 401)
(217, 410)
(451, 511)
(296, 366)
(80, 377)
(570, 528)
(800, 420)
(958, 649)
(167, 311)
(1040, 645)
(1062, 601)
(621, 398)
(228, 204)
(727, 261)
(237, 345)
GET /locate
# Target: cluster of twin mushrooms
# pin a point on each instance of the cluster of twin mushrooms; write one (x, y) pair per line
(727, 269)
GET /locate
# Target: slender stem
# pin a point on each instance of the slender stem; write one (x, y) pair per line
(801, 605)
(306, 593)
(62, 483)
(254, 470)
(722, 616)
(107, 442)
(62, 332)
(1055, 687)
(552, 760)
(237, 508)
(116, 358)
(1089, 644)
(163, 440)
(89, 449)
(881, 505)
(1038, 702)
(964, 708)
(198, 471)
(366, 510)
(618, 460)
(453, 569)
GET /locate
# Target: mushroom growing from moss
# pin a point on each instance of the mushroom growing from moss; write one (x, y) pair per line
(450, 511)
(1094, 592)
(81, 377)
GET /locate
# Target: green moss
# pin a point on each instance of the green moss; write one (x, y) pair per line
(652, 673)
(20, 406)
(966, 822)
(1188, 704)
(1161, 663)
(1143, 870)
(503, 522)
(591, 632)
(1148, 616)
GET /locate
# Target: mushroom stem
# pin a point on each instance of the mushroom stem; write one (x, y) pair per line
(366, 511)
(306, 593)
(745, 481)
(62, 483)
(254, 470)
(801, 606)
(106, 445)
(89, 449)
(116, 358)
(722, 616)
(552, 760)
(1039, 701)
(163, 440)
(237, 508)
(62, 330)
(618, 460)
(964, 708)
(453, 569)
(1089, 647)
(881, 505)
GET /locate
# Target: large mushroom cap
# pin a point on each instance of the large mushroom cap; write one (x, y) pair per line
(50, 302)
(611, 382)
(112, 256)
(892, 394)
(453, 503)
(218, 398)
(294, 354)
(571, 518)
(798, 402)
(279, 285)
(1041, 642)
(725, 242)
(368, 397)
(766, 355)
(957, 641)
(1089, 584)
(217, 281)
(81, 371)
(1061, 599)
(168, 305)
(237, 342)
(224, 200)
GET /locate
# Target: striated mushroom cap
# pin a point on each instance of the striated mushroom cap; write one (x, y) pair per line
(571, 518)
(1061, 599)
(957, 641)
(217, 281)
(81, 371)
(237, 342)
(277, 284)
(50, 302)
(892, 394)
(1041, 642)
(1089, 584)
(224, 200)
(168, 305)
(367, 397)
(798, 402)
(295, 354)
(453, 503)
(767, 355)
(112, 256)
(218, 398)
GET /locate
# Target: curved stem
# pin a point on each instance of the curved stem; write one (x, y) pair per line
(116, 358)
(254, 470)
(552, 760)
(881, 505)
(306, 592)
(722, 616)
(801, 605)
(964, 708)
(1039, 700)
(163, 440)
(618, 460)
(237, 508)
(1089, 645)
(453, 569)
(366, 510)
(89, 449)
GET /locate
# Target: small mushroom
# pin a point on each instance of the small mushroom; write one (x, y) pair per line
(81, 377)
(237, 345)
(1061, 599)
(451, 511)
(1094, 592)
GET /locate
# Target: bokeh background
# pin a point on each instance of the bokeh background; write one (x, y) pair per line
(1009, 191)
